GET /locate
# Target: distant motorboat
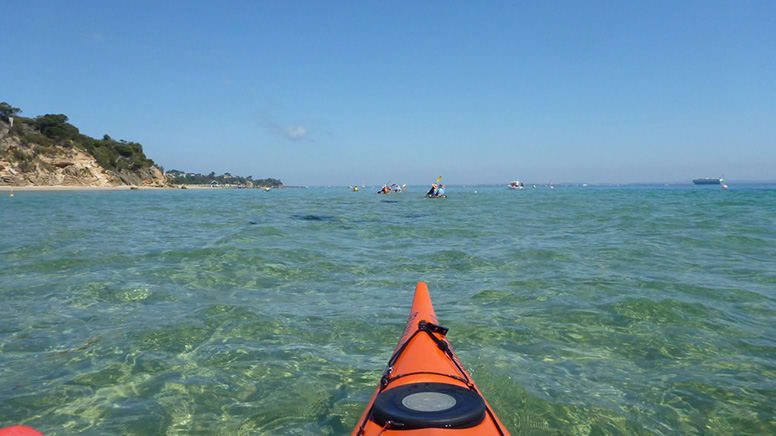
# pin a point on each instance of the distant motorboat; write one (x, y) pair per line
(708, 181)
(516, 184)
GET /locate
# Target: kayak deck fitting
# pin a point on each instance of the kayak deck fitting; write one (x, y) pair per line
(425, 388)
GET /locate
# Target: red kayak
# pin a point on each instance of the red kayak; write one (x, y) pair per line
(425, 389)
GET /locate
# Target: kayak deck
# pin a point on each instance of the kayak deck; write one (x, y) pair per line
(425, 389)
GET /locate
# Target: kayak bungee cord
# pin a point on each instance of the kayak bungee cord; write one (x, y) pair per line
(429, 328)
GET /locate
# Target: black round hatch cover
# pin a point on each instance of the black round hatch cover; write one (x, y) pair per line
(423, 405)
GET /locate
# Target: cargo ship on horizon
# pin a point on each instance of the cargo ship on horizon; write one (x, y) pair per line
(708, 181)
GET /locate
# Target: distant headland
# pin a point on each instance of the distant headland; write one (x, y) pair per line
(225, 180)
(47, 152)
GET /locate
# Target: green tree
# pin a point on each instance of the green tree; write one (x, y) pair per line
(55, 126)
(6, 110)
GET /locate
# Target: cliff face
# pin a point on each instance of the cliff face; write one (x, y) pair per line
(28, 158)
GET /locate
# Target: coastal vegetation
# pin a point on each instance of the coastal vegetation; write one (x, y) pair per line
(183, 178)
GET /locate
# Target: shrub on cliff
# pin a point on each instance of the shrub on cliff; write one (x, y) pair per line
(55, 126)
(116, 155)
(35, 139)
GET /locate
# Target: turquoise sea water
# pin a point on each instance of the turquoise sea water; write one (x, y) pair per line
(640, 310)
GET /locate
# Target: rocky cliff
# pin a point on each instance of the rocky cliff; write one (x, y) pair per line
(34, 153)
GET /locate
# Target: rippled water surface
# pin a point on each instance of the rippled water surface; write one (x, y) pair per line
(579, 311)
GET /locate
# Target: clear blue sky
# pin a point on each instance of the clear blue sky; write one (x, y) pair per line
(326, 92)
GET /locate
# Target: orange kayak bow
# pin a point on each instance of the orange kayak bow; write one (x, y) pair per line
(425, 389)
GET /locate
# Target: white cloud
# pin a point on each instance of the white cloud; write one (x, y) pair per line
(293, 132)
(296, 132)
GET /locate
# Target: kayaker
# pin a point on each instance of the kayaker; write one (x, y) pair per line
(431, 191)
(441, 191)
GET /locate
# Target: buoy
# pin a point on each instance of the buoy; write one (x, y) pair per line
(723, 187)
